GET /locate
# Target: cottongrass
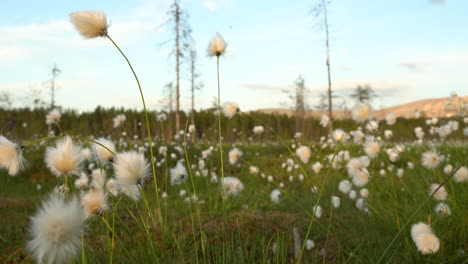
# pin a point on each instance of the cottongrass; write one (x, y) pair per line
(304, 153)
(231, 186)
(102, 153)
(230, 109)
(461, 175)
(178, 174)
(217, 46)
(90, 23)
(119, 120)
(55, 230)
(275, 196)
(131, 168)
(234, 155)
(11, 156)
(53, 117)
(65, 158)
(94, 202)
(441, 193)
(361, 112)
(431, 159)
(424, 238)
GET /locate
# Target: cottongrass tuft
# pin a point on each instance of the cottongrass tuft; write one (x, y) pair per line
(275, 196)
(11, 156)
(230, 109)
(131, 168)
(431, 159)
(90, 23)
(119, 120)
(178, 174)
(56, 230)
(361, 112)
(217, 46)
(424, 238)
(53, 117)
(257, 130)
(324, 120)
(304, 153)
(344, 186)
(94, 202)
(232, 186)
(103, 154)
(441, 194)
(65, 158)
(442, 209)
(234, 155)
(461, 175)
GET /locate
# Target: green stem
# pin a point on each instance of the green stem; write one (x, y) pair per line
(146, 119)
(219, 129)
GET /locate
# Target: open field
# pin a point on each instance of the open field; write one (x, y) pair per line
(198, 225)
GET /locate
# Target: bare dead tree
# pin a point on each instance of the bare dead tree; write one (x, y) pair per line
(169, 92)
(300, 102)
(321, 10)
(196, 85)
(182, 39)
(6, 100)
(54, 71)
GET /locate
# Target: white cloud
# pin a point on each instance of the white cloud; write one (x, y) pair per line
(9, 52)
(211, 5)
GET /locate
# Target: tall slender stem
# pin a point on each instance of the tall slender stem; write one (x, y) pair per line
(219, 128)
(146, 119)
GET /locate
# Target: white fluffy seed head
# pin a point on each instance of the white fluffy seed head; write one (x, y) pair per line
(339, 135)
(94, 202)
(230, 109)
(178, 174)
(372, 148)
(217, 46)
(11, 156)
(442, 209)
(65, 158)
(119, 120)
(257, 130)
(55, 230)
(390, 118)
(335, 201)
(424, 238)
(234, 155)
(53, 117)
(231, 186)
(275, 196)
(344, 186)
(103, 154)
(461, 175)
(304, 153)
(361, 112)
(324, 120)
(431, 159)
(440, 194)
(90, 23)
(317, 210)
(131, 168)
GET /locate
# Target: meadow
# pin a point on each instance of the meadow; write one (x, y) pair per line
(195, 224)
(116, 186)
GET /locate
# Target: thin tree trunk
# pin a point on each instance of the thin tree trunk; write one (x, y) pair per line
(177, 117)
(330, 112)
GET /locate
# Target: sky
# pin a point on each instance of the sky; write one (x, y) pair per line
(406, 50)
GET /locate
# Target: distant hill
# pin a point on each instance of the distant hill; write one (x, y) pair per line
(435, 107)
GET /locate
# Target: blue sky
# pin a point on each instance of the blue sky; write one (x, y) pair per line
(406, 50)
